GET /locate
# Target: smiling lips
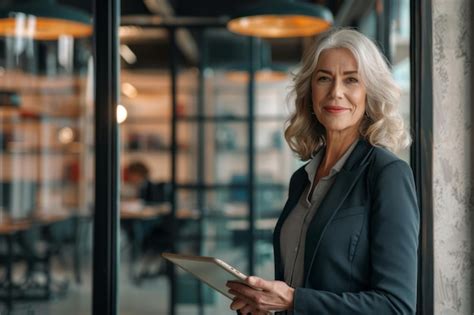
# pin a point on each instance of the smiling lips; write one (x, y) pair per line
(335, 109)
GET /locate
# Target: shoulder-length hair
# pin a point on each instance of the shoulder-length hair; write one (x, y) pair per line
(382, 124)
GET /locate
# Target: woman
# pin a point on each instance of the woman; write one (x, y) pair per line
(346, 241)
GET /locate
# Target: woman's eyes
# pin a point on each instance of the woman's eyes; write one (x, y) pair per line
(352, 80)
(347, 80)
(324, 79)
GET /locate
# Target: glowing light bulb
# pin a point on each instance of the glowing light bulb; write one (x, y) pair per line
(121, 113)
(66, 135)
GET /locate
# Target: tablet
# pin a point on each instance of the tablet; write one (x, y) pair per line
(210, 270)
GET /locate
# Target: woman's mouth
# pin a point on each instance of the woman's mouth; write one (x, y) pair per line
(335, 109)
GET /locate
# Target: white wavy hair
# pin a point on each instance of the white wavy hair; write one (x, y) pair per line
(381, 126)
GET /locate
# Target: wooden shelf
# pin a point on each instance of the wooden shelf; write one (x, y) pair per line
(224, 186)
(38, 152)
(240, 151)
(216, 119)
(156, 151)
(229, 119)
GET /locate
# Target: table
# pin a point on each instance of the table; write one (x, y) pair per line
(152, 214)
(9, 227)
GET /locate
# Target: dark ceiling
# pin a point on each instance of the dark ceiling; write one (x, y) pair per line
(154, 53)
(183, 7)
(210, 7)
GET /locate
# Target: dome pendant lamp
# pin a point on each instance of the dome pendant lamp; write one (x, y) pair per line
(44, 20)
(281, 19)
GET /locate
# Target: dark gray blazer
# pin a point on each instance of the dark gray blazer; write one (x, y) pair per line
(361, 246)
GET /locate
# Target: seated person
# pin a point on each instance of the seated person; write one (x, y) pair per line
(143, 233)
(137, 176)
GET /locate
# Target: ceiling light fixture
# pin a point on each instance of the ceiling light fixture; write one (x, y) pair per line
(44, 20)
(127, 54)
(281, 19)
(129, 90)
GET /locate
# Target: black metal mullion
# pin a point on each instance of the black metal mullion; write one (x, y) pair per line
(387, 27)
(174, 150)
(383, 25)
(106, 215)
(422, 149)
(251, 158)
(201, 156)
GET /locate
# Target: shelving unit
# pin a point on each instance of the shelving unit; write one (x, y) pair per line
(41, 142)
(42, 173)
(153, 123)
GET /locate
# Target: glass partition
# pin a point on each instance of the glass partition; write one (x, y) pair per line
(46, 174)
(210, 153)
(388, 23)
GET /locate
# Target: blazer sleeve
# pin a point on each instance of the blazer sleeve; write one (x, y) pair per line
(394, 228)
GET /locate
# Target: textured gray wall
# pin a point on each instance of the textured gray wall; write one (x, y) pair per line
(453, 160)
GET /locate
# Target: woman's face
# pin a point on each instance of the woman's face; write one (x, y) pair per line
(338, 93)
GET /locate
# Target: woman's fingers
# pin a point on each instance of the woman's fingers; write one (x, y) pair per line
(245, 299)
(248, 309)
(261, 295)
(243, 308)
(243, 292)
(237, 304)
(252, 311)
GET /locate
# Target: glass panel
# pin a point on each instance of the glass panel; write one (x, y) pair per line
(274, 164)
(229, 161)
(226, 93)
(400, 48)
(46, 168)
(187, 151)
(394, 17)
(146, 159)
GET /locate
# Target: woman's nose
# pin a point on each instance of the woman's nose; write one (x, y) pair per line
(337, 89)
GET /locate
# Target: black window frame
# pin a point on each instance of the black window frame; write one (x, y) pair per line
(421, 155)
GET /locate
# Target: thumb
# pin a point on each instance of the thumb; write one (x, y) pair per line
(259, 283)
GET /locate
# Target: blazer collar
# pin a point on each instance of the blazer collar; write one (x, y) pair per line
(359, 156)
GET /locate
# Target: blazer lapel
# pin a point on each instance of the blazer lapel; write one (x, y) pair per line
(336, 195)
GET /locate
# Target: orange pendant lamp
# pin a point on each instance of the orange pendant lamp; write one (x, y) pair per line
(281, 19)
(44, 20)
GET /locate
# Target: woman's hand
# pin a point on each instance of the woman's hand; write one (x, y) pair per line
(259, 296)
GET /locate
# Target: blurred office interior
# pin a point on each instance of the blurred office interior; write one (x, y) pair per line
(193, 158)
